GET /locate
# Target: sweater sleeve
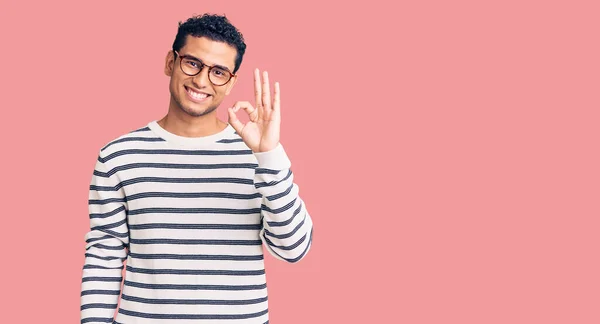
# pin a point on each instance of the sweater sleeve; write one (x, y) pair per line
(287, 226)
(106, 246)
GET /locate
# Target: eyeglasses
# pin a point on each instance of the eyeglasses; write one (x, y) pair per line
(192, 66)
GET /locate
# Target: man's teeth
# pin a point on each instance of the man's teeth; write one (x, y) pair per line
(197, 95)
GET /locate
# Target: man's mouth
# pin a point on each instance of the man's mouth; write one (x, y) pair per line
(196, 95)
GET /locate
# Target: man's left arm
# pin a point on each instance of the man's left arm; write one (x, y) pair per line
(287, 226)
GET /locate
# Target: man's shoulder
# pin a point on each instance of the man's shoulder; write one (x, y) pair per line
(139, 137)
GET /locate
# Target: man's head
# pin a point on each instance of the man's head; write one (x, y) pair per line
(202, 42)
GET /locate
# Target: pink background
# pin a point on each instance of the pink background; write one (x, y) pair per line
(446, 150)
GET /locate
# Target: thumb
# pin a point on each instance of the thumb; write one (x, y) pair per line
(235, 122)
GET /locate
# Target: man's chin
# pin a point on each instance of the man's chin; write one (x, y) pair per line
(199, 112)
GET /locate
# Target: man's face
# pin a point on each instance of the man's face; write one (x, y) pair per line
(196, 95)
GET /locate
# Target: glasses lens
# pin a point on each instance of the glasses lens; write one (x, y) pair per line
(190, 67)
(219, 76)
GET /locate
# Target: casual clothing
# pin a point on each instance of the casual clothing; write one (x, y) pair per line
(189, 216)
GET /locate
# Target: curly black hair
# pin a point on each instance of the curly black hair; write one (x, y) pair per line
(214, 27)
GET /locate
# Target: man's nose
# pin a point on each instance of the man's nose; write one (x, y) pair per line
(201, 79)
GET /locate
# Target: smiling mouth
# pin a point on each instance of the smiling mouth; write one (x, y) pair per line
(196, 96)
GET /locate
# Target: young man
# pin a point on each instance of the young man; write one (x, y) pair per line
(189, 200)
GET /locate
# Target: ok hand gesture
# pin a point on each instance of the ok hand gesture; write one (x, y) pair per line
(261, 132)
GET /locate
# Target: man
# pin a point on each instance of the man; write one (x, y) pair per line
(189, 200)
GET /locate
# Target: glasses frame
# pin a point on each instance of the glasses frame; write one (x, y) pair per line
(202, 65)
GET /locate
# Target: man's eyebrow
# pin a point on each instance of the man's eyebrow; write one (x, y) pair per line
(199, 60)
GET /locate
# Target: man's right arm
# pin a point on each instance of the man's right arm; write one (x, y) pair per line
(106, 246)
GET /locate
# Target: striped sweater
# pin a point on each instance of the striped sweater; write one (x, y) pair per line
(189, 217)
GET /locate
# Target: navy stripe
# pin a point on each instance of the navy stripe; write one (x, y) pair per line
(192, 316)
(194, 195)
(195, 241)
(99, 238)
(173, 152)
(273, 183)
(110, 213)
(93, 266)
(193, 287)
(97, 320)
(289, 220)
(134, 139)
(221, 257)
(197, 272)
(143, 129)
(109, 226)
(107, 258)
(223, 195)
(103, 306)
(229, 141)
(102, 279)
(194, 301)
(187, 180)
(104, 188)
(176, 166)
(106, 201)
(266, 171)
(281, 194)
(172, 180)
(290, 234)
(165, 210)
(197, 226)
(115, 234)
(107, 247)
(101, 174)
(100, 292)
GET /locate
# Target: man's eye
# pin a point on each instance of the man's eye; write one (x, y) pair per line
(218, 72)
(192, 64)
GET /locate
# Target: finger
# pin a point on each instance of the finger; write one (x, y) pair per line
(258, 92)
(235, 122)
(266, 93)
(277, 99)
(251, 111)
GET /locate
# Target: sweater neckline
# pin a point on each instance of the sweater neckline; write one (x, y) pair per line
(189, 141)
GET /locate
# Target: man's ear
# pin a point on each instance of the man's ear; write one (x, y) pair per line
(169, 63)
(230, 85)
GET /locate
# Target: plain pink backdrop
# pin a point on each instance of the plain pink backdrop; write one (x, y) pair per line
(446, 150)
